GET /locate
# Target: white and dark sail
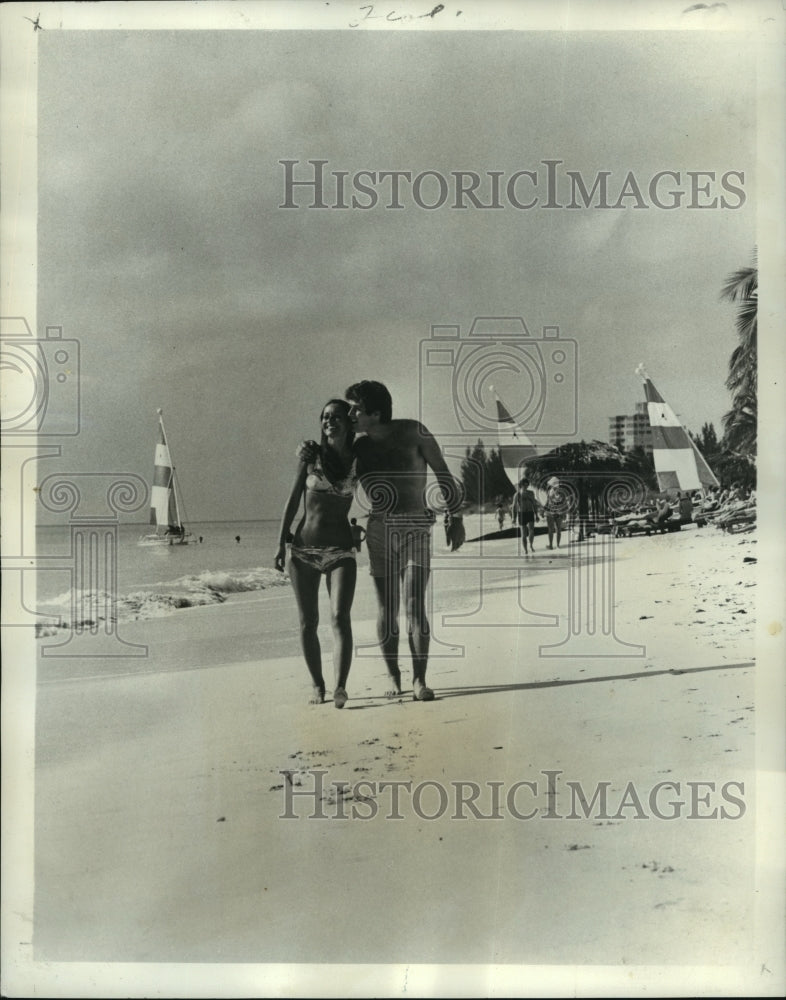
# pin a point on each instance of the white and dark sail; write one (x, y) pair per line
(164, 506)
(515, 448)
(679, 465)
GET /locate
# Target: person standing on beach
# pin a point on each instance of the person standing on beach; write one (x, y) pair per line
(322, 545)
(553, 511)
(393, 459)
(525, 510)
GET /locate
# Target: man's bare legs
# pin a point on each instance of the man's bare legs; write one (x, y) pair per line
(387, 589)
(415, 581)
(341, 588)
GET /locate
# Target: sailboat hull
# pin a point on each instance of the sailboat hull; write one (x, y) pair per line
(162, 541)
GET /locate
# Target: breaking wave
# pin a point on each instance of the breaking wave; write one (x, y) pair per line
(87, 607)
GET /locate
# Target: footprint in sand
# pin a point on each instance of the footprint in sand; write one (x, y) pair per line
(296, 783)
(654, 866)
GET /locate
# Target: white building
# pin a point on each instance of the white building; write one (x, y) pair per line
(629, 431)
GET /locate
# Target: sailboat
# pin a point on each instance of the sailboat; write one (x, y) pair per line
(164, 504)
(679, 465)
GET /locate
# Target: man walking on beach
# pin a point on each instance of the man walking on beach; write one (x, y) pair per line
(525, 511)
(553, 509)
(393, 459)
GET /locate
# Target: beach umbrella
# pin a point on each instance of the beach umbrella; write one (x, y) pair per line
(584, 471)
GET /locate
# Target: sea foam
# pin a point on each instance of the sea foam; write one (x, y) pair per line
(86, 607)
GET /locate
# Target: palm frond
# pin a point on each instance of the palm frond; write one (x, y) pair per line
(741, 285)
(740, 423)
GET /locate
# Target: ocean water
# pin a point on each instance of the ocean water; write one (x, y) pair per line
(152, 581)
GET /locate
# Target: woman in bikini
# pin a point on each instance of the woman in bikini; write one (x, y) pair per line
(322, 546)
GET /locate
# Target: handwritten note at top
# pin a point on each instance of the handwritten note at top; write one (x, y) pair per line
(370, 12)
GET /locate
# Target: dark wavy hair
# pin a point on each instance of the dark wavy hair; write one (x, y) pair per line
(375, 398)
(332, 465)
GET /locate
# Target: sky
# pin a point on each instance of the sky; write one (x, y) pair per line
(163, 249)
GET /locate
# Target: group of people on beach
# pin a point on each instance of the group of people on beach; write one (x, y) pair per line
(730, 509)
(727, 508)
(389, 458)
(527, 509)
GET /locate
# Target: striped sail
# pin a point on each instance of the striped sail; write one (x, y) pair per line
(679, 464)
(163, 509)
(515, 448)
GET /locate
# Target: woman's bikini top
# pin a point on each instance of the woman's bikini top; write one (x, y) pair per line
(318, 482)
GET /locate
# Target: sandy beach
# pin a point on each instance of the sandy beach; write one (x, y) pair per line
(191, 807)
(552, 235)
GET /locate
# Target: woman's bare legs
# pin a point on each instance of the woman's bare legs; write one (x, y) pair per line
(305, 583)
(341, 587)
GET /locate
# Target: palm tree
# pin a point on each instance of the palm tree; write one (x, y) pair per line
(742, 288)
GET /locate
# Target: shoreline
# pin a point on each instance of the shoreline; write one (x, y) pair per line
(723, 611)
